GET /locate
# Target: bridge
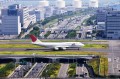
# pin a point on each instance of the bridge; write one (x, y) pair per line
(45, 58)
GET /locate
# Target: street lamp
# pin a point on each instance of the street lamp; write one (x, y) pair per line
(34, 57)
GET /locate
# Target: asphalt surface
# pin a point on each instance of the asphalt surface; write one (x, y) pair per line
(69, 49)
(81, 70)
(63, 71)
(19, 71)
(114, 57)
(35, 70)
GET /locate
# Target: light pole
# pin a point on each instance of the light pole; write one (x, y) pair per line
(34, 57)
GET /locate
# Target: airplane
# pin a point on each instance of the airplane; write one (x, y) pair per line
(56, 45)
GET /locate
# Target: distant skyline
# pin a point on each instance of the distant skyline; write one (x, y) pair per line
(101, 2)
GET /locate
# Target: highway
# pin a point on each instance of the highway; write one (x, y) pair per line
(81, 70)
(19, 71)
(63, 71)
(36, 70)
(66, 25)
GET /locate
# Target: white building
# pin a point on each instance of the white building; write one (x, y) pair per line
(25, 18)
(94, 3)
(60, 4)
(43, 3)
(77, 3)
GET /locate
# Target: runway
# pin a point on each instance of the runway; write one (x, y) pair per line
(68, 49)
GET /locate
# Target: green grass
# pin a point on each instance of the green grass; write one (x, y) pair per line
(2, 65)
(96, 46)
(49, 53)
(72, 70)
(19, 46)
(35, 46)
(50, 23)
(103, 66)
(6, 69)
(51, 70)
(101, 63)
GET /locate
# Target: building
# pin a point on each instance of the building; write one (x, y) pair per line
(15, 18)
(24, 16)
(60, 4)
(101, 26)
(10, 24)
(113, 25)
(49, 11)
(94, 3)
(39, 14)
(77, 3)
(59, 11)
(43, 3)
(101, 14)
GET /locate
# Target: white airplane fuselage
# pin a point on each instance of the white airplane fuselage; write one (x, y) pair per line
(61, 45)
(56, 45)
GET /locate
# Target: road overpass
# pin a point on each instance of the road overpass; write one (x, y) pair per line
(46, 58)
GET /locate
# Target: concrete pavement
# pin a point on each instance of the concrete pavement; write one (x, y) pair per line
(81, 70)
(114, 57)
(63, 71)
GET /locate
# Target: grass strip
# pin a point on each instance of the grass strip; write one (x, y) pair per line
(100, 66)
(72, 70)
(51, 70)
(50, 53)
(7, 69)
(36, 46)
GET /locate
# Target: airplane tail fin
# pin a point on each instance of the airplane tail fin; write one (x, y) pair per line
(34, 39)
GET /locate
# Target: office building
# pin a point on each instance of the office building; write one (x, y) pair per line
(113, 25)
(101, 14)
(39, 14)
(10, 21)
(15, 18)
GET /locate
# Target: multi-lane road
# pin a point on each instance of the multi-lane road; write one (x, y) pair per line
(67, 25)
(36, 70)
